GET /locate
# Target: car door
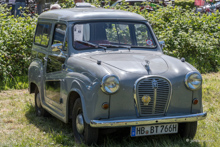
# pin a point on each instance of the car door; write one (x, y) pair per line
(55, 69)
(40, 50)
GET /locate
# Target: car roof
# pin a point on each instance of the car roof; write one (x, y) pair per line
(74, 14)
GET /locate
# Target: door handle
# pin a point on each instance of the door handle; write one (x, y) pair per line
(46, 59)
(63, 66)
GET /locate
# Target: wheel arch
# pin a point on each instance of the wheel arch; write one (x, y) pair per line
(72, 96)
(32, 87)
(35, 74)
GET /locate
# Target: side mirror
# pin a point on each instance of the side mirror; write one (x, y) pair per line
(57, 47)
(162, 44)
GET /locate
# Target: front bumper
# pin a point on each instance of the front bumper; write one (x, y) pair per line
(147, 121)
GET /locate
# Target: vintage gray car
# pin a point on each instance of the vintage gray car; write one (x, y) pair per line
(102, 68)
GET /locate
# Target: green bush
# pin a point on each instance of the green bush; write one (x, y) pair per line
(185, 3)
(16, 37)
(68, 4)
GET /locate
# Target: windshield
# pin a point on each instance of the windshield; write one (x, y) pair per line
(112, 34)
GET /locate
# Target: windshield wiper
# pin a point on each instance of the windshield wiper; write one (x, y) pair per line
(117, 46)
(91, 44)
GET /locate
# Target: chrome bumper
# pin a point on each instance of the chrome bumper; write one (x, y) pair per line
(137, 122)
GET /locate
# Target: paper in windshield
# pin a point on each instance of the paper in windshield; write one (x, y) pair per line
(78, 32)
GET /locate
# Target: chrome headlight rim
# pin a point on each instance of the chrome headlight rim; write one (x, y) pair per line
(104, 80)
(187, 77)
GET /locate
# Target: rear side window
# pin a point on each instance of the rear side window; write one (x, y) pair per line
(42, 34)
(59, 36)
(59, 33)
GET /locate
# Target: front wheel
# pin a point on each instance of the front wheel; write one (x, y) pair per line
(40, 111)
(82, 131)
(188, 130)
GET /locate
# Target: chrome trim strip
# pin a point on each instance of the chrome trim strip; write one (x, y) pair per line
(135, 100)
(58, 55)
(135, 93)
(155, 99)
(147, 121)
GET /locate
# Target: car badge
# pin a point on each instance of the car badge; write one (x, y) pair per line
(154, 84)
(146, 99)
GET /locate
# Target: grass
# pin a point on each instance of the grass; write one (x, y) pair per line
(20, 127)
(17, 82)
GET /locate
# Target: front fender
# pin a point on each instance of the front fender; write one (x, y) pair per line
(35, 72)
(92, 99)
(36, 76)
(82, 101)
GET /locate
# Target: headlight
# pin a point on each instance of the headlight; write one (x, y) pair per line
(110, 84)
(193, 80)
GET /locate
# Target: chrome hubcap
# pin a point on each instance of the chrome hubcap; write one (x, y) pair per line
(38, 101)
(79, 123)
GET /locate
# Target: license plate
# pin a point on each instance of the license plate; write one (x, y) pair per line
(154, 129)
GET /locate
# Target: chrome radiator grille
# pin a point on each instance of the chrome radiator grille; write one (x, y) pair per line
(158, 89)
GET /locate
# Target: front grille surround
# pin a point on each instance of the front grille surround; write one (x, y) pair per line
(160, 97)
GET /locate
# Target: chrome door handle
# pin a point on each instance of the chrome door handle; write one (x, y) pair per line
(46, 59)
(63, 66)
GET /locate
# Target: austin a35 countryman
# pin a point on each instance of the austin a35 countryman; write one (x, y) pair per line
(103, 69)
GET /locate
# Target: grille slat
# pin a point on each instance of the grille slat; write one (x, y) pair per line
(144, 87)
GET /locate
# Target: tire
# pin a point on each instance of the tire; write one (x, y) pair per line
(188, 130)
(39, 110)
(87, 135)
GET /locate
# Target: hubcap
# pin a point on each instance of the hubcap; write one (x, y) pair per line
(38, 101)
(79, 123)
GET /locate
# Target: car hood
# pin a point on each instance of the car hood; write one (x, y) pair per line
(136, 62)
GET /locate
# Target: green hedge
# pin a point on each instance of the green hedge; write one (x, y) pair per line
(16, 37)
(195, 37)
(185, 3)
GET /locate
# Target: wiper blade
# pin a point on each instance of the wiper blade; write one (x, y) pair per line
(91, 44)
(109, 45)
(113, 45)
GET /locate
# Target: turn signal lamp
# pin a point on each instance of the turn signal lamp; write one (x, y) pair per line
(105, 106)
(195, 101)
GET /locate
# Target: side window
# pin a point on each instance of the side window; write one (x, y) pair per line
(59, 36)
(42, 35)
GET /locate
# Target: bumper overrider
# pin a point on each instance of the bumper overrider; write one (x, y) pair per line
(147, 121)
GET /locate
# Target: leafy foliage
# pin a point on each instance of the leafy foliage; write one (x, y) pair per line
(68, 4)
(16, 37)
(185, 3)
(196, 37)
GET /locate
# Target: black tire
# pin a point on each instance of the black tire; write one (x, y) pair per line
(89, 135)
(188, 130)
(39, 110)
